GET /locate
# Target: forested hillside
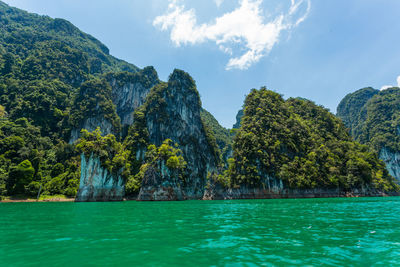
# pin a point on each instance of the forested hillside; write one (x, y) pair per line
(373, 118)
(301, 144)
(223, 136)
(43, 63)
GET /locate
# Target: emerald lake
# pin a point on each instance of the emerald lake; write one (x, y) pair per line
(331, 232)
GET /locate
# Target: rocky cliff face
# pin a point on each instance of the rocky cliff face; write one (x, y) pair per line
(91, 124)
(161, 185)
(97, 183)
(263, 193)
(392, 161)
(173, 112)
(93, 108)
(239, 116)
(129, 91)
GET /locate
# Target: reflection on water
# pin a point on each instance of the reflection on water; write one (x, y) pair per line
(358, 231)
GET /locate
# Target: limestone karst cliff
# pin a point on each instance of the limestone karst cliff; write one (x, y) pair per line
(97, 183)
(129, 91)
(173, 112)
(392, 161)
(111, 106)
(170, 111)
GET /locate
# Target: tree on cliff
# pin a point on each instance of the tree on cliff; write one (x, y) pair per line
(110, 152)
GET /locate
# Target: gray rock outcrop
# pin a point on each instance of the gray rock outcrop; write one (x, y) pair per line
(173, 112)
(91, 124)
(392, 160)
(129, 91)
(97, 183)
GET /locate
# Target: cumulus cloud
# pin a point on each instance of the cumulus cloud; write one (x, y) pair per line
(390, 86)
(386, 87)
(244, 27)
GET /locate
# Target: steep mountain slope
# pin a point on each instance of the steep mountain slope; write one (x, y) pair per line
(223, 136)
(239, 116)
(129, 91)
(110, 102)
(38, 40)
(172, 111)
(296, 145)
(349, 109)
(374, 119)
(54, 80)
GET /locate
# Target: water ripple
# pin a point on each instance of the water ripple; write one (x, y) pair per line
(331, 232)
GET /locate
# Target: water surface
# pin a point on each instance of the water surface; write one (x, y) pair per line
(337, 231)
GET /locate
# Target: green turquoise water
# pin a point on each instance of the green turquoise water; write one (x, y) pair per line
(338, 231)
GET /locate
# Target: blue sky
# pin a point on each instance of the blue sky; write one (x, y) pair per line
(317, 49)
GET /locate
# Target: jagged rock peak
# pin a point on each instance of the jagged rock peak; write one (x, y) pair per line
(183, 77)
(181, 80)
(150, 72)
(173, 112)
(239, 116)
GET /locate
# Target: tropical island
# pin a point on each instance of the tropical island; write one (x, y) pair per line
(80, 123)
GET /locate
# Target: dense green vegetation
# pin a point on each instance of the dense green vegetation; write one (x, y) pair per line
(302, 144)
(166, 161)
(112, 155)
(223, 136)
(30, 39)
(373, 117)
(48, 68)
(120, 160)
(29, 161)
(349, 109)
(94, 100)
(53, 78)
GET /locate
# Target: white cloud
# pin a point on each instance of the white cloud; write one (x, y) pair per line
(390, 86)
(386, 87)
(243, 27)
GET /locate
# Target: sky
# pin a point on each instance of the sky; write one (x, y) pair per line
(315, 49)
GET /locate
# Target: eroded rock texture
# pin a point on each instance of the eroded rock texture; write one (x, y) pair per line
(97, 183)
(173, 112)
